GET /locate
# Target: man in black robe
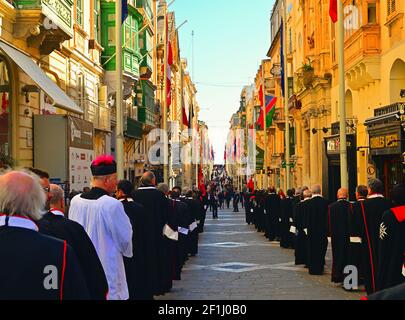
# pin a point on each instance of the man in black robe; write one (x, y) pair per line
(246, 200)
(273, 215)
(395, 294)
(391, 266)
(193, 232)
(137, 270)
(33, 266)
(339, 232)
(369, 216)
(300, 218)
(54, 224)
(183, 217)
(156, 207)
(355, 232)
(317, 231)
(286, 239)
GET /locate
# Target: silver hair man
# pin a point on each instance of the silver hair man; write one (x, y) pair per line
(307, 194)
(148, 179)
(57, 195)
(21, 194)
(164, 188)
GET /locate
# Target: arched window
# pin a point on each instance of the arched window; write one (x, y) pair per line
(397, 81)
(5, 112)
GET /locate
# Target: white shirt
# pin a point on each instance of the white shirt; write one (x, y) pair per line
(110, 230)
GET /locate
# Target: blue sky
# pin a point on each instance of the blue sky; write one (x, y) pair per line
(231, 37)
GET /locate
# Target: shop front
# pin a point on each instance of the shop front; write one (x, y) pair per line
(387, 145)
(333, 154)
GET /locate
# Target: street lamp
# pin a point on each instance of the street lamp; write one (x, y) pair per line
(325, 130)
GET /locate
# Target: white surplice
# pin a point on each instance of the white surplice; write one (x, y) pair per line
(110, 230)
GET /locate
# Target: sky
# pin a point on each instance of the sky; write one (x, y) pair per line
(231, 37)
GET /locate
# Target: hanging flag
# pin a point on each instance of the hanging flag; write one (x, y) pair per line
(261, 95)
(270, 110)
(185, 109)
(212, 154)
(333, 10)
(201, 184)
(282, 58)
(124, 10)
(251, 185)
(225, 153)
(4, 103)
(234, 148)
(169, 53)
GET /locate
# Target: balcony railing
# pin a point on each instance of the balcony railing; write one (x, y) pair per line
(98, 115)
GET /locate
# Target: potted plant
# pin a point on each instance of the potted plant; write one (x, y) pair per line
(307, 73)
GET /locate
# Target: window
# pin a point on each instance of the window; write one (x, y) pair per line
(372, 13)
(391, 7)
(5, 114)
(96, 18)
(79, 12)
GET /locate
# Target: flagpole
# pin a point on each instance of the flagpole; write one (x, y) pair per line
(164, 115)
(342, 102)
(286, 111)
(119, 135)
(265, 181)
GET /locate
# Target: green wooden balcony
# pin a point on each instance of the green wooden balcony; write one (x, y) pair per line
(133, 129)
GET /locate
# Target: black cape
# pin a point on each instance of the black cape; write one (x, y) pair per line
(317, 225)
(193, 235)
(369, 217)
(156, 207)
(300, 244)
(287, 214)
(273, 216)
(339, 232)
(391, 266)
(24, 256)
(396, 293)
(75, 235)
(354, 257)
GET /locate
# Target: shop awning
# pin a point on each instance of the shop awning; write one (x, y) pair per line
(59, 97)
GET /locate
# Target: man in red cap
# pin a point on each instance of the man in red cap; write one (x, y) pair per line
(106, 223)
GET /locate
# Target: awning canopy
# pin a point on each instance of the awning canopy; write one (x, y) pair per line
(59, 97)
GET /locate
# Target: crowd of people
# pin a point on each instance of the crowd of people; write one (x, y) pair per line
(114, 243)
(368, 234)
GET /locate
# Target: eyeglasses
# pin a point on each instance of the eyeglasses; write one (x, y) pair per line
(47, 189)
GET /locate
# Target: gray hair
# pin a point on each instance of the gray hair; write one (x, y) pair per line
(57, 194)
(186, 190)
(316, 189)
(21, 194)
(307, 193)
(376, 186)
(163, 187)
(147, 179)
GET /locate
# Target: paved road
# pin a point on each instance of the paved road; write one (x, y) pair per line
(237, 263)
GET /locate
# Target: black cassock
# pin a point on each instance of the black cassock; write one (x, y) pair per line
(354, 257)
(156, 207)
(26, 254)
(287, 215)
(395, 293)
(193, 234)
(301, 247)
(391, 266)
(59, 227)
(317, 226)
(183, 217)
(273, 216)
(140, 277)
(201, 215)
(339, 232)
(368, 216)
(246, 199)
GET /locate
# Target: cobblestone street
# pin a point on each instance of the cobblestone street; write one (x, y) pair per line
(237, 263)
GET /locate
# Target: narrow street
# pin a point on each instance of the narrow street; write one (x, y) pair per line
(237, 263)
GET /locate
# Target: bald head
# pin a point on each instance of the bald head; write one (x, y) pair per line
(343, 193)
(316, 189)
(148, 179)
(21, 194)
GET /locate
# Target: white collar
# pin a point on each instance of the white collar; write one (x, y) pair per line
(377, 195)
(57, 212)
(147, 188)
(317, 195)
(342, 200)
(127, 199)
(19, 222)
(306, 199)
(361, 199)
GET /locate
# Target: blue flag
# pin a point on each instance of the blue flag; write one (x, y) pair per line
(282, 58)
(124, 10)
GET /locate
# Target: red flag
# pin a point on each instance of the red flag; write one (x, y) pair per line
(261, 95)
(201, 184)
(333, 10)
(251, 185)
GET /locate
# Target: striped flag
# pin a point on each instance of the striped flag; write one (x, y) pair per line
(270, 110)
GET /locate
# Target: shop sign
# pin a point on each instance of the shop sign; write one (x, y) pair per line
(385, 141)
(333, 145)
